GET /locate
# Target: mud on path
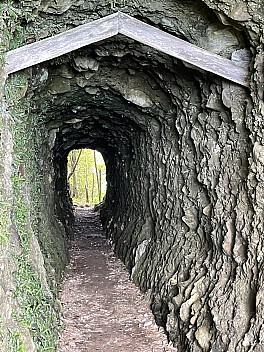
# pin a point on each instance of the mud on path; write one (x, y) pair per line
(103, 311)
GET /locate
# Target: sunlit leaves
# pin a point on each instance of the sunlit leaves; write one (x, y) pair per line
(87, 180)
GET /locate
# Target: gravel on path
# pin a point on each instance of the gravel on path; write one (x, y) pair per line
(102, 309)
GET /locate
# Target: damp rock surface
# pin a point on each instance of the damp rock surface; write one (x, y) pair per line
(103, 310)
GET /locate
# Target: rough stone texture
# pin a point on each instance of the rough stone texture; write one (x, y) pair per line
(168, 138)
(184, 153)
(15, 331)
(9, 240)
(202, 29)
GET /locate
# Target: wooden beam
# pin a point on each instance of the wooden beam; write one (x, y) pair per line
(111, 25)
(61, 44)
(181, 49)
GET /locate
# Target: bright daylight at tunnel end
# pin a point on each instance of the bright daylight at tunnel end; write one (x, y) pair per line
(184, 155)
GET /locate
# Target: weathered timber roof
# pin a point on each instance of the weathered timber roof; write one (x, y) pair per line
(112, 25)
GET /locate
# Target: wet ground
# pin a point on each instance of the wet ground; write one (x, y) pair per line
(103, 311)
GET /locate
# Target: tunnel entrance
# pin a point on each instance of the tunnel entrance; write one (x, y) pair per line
(86, 177)
(162, 128)
(175, 140)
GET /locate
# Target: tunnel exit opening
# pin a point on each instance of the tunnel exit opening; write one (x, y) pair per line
(86, 176)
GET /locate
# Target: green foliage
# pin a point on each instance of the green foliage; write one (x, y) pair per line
(15, 342)
(4, 214)
(11, 29)
(37, 310)
(88, 181)
(4, 206)
(12, 15)
(14, 91)
(2, 331)
(5, 15)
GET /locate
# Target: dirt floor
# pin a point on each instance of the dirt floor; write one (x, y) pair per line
(103, 311)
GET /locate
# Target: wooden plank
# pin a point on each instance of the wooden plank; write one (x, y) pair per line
(181, 49)
(61, 44)
(111, 25)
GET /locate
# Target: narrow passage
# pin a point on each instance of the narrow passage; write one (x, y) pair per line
(102, 310)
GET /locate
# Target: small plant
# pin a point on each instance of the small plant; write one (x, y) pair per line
(15, 342)
(37, 312)
(4, 214)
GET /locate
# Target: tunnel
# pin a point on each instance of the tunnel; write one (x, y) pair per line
(146, 115)
(183, 160)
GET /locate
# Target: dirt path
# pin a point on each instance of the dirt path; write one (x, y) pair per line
(103, 310)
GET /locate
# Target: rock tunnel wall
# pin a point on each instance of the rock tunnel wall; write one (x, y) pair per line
(32, 258)
(33, 241)
(183, 150)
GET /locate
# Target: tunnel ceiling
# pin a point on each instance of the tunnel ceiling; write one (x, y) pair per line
(190, 20)
(113, 88)
(159, 123)
(119, 86)
(119, 82)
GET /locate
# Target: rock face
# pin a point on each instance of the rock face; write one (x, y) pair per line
(184, 155)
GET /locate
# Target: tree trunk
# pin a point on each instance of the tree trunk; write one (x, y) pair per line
(87, 180)
(100, 186)
(93, 190)
(74, 163)
(97, 176)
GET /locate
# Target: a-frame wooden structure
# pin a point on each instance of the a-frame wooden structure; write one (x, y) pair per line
(120, 23)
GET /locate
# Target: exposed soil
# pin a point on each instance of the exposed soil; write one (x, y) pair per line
(102, 309)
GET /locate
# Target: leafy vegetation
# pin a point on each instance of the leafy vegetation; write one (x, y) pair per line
(15, 342)
(36, 311)
(4, 201)
(87, 176)
(11, 28)
(4, 230)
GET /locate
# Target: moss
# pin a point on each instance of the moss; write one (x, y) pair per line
(4, 203)
(38, 311)
(4, 219)
(12, 36)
